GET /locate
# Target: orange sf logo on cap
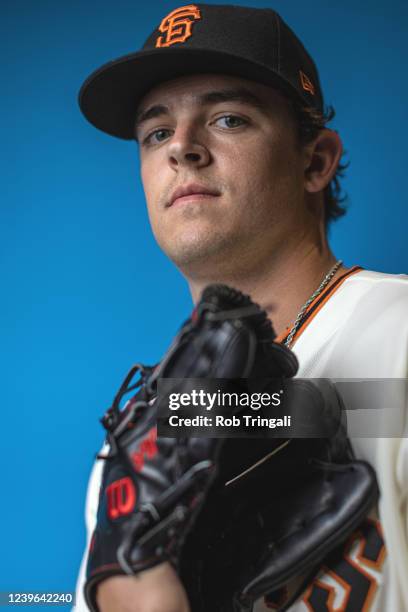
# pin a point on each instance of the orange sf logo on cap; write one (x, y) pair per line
(178, 25)
(306, 83)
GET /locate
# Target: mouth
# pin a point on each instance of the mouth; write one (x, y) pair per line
(192, 192)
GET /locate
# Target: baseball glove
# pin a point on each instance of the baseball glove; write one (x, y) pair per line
(238, 518)
(153, 488)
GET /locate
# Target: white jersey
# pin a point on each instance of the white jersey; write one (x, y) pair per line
(357, 328)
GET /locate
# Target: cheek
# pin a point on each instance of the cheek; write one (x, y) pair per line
(260, 170)
(279, 169)
(270, 189)
(147, 173)
(150, 178)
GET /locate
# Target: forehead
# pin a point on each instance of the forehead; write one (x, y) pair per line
(191, 89)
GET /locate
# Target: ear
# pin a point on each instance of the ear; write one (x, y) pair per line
(323, 157)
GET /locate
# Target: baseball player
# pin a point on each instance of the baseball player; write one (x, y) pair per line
(240, 175)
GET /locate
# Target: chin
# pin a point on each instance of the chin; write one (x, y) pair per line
(197, 251)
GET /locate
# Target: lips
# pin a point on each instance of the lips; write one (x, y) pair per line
(191, 189)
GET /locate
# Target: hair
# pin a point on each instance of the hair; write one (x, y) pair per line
(310, 121)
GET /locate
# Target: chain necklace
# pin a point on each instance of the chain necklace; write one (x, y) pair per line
(306, 305)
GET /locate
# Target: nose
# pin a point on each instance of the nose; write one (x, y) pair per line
(187, 149)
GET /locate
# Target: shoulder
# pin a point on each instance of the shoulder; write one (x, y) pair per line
(369, 278)
(384, 287)
(374, 295)
(362, 330)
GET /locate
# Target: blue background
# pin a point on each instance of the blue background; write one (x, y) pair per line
(85, 290)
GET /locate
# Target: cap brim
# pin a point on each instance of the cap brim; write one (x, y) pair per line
(110, 96)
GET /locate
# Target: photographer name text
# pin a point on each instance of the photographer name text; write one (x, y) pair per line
(243, 420)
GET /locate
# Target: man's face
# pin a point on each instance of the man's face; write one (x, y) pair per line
(228, 148)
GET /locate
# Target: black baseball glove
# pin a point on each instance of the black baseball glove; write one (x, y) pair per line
(237, 518)
(153, 488)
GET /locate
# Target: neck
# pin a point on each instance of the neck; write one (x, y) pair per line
(283, 284)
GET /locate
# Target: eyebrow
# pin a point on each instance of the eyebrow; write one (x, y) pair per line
(242, 95)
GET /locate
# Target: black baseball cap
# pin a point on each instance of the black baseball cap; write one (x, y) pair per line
(250, 43)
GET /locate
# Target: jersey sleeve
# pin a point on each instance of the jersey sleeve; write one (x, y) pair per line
(91, 508)
(393, 475)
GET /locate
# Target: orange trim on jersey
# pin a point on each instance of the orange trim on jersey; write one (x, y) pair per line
(373, 584)
(326, 587)
(318, 304)
(377, 564)
(372, 589)
(331, 590)
(347, 590)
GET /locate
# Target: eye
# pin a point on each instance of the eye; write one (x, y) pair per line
(157, 136)
(230, 121)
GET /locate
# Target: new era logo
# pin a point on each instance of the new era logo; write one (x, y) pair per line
(306, 83)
